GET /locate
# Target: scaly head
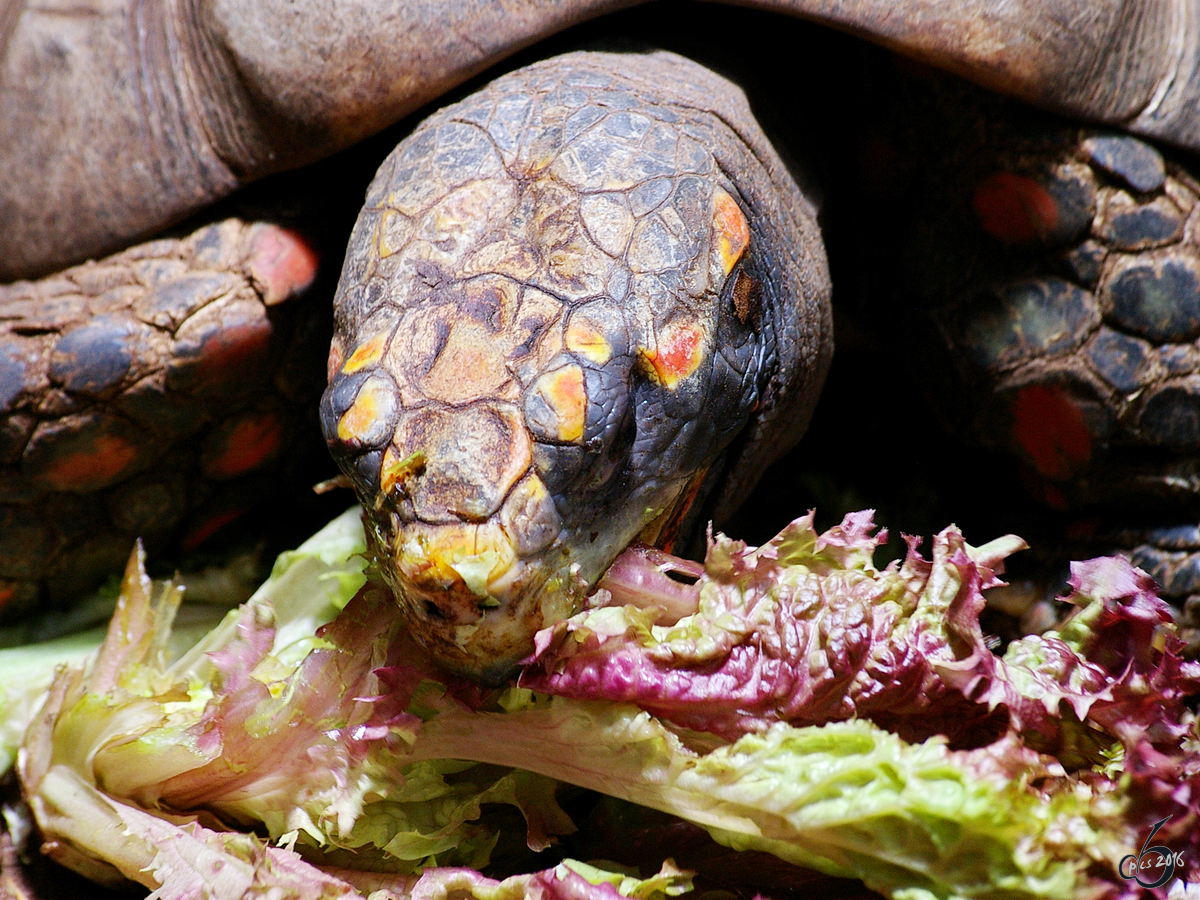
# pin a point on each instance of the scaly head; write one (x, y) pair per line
(557, 313)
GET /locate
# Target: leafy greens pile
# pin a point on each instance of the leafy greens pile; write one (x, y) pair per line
(795, 700)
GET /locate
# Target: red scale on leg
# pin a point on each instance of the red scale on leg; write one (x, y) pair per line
(81, 454)
(1015, 209)
(228, 352)
(1051, 431)
(224, 350)
(91, 469)
(282, 264)
(242, 445)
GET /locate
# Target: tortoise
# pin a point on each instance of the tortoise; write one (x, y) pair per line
(585, 304)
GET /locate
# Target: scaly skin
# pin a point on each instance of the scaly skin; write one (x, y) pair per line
(158, 393)
(1056, 271)
(1061, 268)
(564, 299)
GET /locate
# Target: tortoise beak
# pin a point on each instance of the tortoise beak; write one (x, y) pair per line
(472, 598)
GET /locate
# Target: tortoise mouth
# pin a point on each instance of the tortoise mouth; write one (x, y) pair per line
(471, 601)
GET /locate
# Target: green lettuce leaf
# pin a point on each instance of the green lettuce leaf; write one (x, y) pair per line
(344, 739)
(269, 722)
(25, 676)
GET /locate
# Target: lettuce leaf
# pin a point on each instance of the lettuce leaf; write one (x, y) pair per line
(825, 740)
(805, 629)
(25, 676)
(570, 880)
(266, 724)
(802, 630)
(1109, 686)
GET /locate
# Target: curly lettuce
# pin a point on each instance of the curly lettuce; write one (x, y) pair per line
(802, 630)
(806, 630)
(795, 701)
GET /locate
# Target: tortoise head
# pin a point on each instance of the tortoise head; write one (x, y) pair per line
(552, 323)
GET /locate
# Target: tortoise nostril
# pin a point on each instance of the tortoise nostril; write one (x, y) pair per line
(433, 611)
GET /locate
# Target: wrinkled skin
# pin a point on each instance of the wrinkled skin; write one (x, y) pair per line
(564, 299)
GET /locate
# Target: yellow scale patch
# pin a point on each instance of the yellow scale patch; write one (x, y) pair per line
(730, 228)
(358, 419)
(365, 355)
(565, 392)
(589, 343)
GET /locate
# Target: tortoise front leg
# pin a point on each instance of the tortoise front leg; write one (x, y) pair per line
(160, 393)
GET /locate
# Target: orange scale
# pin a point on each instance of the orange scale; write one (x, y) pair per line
(361, 417)
(730, 228)
(98, 466)
(565, 391)
(247, 445)
(679, 353)
(1014, 209)
(365, 355)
